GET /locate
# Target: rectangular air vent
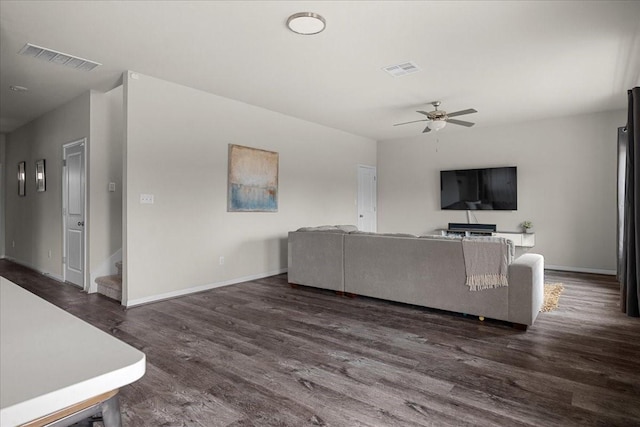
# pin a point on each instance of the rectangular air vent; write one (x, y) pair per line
(402, 69)
(56, 57)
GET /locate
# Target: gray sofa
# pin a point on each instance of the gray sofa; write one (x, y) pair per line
(423, 271)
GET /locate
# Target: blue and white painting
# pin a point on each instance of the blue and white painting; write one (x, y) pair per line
(253, 180)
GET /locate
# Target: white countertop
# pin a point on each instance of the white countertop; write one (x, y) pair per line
(50, 359)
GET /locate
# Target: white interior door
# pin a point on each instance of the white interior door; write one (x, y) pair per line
(74, 212)
(367, 200)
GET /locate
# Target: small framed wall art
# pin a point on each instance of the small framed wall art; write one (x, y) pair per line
(40, 176)
(22, 175)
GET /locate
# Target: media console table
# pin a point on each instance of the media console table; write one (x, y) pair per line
(56, 369)
(519, 239)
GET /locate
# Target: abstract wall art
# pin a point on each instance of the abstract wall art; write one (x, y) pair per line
(253, 180)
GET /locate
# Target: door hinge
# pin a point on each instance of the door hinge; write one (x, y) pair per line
(64, 259)
(64, 162)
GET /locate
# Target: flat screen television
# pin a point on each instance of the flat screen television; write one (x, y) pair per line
(479, 189)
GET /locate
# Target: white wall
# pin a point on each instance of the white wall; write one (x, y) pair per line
(566, 183)
(34, 222)
(176, 149)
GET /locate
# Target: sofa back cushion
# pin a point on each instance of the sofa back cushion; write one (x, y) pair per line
(428, 272)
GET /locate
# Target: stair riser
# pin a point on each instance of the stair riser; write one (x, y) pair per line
(109, 292)
(111, 286)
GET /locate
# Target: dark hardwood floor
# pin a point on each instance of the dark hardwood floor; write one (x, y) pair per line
(263, 354)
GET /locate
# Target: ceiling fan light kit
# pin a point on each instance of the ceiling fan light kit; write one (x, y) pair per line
(437, 119)
(436, 124)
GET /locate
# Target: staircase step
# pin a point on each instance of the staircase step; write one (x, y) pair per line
(119, 267)
(110, 286)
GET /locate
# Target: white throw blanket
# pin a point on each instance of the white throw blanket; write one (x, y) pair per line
(486, 261)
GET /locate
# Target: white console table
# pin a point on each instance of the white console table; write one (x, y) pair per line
(522, 240)
(519, 239)
(56, 369)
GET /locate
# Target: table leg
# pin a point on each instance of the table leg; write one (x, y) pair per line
(106, 403)
(111, 412)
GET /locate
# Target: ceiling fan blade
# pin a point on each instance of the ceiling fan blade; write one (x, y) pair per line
(460, 113)
(427, 129)
(460, 122)
(406, 123)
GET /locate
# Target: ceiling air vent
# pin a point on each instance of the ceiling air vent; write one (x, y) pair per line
(402, 69)
(56, 57)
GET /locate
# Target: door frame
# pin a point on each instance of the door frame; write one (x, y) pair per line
(83, 142)
(375, 193)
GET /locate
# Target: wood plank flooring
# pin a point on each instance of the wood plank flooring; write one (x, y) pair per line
(263, 354)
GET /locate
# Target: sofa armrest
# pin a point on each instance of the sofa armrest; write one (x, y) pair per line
(526, 288)
(316, 258)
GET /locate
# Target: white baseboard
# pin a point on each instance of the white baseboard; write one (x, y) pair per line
(182, 292)
(44, 273)
(107, 268)
(580, 269)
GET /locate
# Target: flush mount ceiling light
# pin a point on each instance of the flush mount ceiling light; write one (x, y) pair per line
(306, 23)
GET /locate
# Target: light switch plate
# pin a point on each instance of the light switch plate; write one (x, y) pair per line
(112, 187)
(146, 198)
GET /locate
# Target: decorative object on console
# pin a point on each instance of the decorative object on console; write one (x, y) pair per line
(527, 226)
(40, 176)
(253, 180)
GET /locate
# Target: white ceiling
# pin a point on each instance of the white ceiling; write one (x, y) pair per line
(512, 61)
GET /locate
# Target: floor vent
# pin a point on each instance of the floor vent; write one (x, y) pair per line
(56, 57)
(402, 69)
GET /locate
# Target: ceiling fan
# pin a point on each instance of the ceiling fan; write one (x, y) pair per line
(438, 119)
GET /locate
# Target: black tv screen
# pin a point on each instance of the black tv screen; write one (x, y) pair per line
(479, 189)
